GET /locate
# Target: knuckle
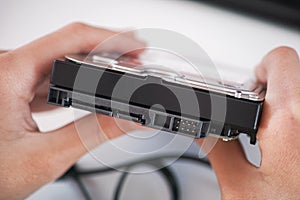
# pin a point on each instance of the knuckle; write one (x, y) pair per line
(282, 53)
(8, 58)
(77, 26)
(8, 61)
(279, 57)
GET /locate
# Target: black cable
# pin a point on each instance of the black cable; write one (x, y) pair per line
(173, 184)
(167, 174)
(82, 188)
(75, 173)
(118, 190)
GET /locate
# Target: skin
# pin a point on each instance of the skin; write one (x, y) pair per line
(30, 159)
(278, 136)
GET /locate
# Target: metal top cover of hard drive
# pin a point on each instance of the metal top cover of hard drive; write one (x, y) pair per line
(249, 89)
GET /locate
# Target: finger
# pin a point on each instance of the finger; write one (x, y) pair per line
(78, 138)
(74, 38)
(228, 161)
(128, 32)
(84, 134)
(3, 51)
(38, 104)
(61, 148)
(280, 71)
(43, 87)
(121, 39)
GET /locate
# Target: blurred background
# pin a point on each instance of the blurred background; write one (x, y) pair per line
(232, 32)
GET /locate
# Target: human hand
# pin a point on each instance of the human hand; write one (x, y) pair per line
(30, 159)
(278, 136)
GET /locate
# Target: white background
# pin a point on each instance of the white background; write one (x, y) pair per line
(228, 38)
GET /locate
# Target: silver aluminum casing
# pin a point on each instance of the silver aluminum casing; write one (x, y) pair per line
(249, 90)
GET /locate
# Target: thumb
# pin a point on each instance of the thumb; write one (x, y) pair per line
(229, 162)
(81, 136)
(72, 141)
(44, 157)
